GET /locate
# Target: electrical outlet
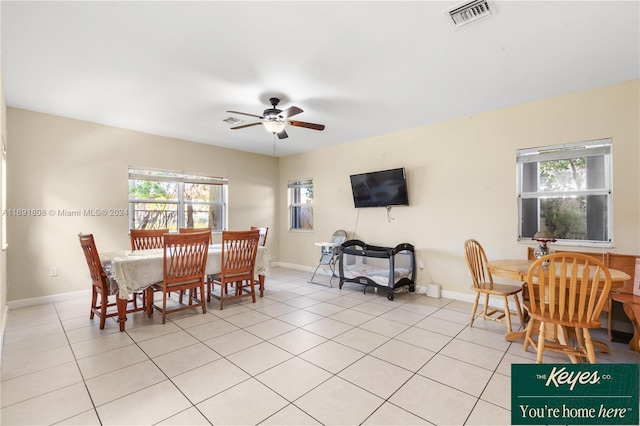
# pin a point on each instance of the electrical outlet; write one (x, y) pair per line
(54, 272)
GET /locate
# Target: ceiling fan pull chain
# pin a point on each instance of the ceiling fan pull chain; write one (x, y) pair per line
(274, 144)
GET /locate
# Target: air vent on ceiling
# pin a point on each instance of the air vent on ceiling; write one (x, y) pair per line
(232, 120)
(471, 11)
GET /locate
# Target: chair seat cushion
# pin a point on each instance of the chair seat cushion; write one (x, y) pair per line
(159, 286)
(232, 277)
(496, 288)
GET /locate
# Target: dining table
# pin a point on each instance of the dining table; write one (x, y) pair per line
(135, 271)
(518, 269)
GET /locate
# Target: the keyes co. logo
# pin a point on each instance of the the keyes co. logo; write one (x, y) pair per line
(574, 394)
(561, 377)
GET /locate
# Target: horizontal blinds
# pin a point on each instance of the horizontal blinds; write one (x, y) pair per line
(563, 152)
(167, 176)
(305, 183)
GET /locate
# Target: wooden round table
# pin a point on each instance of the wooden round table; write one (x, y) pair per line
(518, 269)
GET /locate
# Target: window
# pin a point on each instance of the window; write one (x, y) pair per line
(161, 199)
(301, 204)
(566, 190)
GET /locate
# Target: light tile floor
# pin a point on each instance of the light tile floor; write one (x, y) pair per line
(304, 354)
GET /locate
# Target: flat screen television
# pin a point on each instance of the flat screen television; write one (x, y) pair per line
(380, 189)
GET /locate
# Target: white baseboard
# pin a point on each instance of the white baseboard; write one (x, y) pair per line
(54, 298)
(463, 297)
(296, 267)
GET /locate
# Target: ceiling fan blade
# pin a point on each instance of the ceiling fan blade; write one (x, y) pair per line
(290, 112)
(282, 134)
(307, 125)
(246, 125)
(244, 113)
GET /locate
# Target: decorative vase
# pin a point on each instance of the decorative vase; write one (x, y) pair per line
(543, 237)
(542, 251)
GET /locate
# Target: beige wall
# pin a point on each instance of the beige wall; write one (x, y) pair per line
(462, 181)
(461, 176)
(58, 163)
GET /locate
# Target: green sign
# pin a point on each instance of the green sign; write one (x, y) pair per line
(567, 394)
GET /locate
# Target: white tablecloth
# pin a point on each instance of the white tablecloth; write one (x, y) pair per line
(137, 270)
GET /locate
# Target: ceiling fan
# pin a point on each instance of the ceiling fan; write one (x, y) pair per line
(275, 120)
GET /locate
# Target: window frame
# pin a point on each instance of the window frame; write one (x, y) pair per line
(585, 149)
(292, 187)
(180, 179)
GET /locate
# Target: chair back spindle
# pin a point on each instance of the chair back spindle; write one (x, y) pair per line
(147, 239)
(477, 263)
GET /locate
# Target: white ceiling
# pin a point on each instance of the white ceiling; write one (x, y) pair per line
(362, 68)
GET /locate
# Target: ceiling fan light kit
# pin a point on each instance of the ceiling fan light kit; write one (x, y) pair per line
(274, 126)
(276, 120)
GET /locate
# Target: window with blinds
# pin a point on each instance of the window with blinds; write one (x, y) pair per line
(300, 194)
(567, 191)
(160, 199)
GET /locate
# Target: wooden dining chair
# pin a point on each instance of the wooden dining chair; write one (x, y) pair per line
(261, 243)
(263, 235)
(483, 285)
(569, 291)
(239, 249)
(101, 285)
(620, 262)
(185, 260)
(146, 239)
(195, 231)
